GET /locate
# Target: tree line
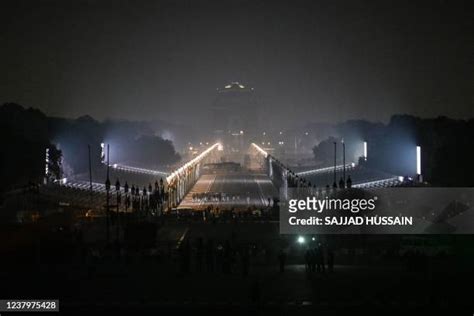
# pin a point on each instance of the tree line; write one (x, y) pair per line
(27, 132)
(446, 147)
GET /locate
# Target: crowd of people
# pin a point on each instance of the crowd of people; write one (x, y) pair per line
(213, 197)
(317, 258)
(150, 199)
(224, 257)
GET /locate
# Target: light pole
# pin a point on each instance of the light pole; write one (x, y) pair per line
(162, 195)
(144, 210)
(334, 185)
(344, 162)
(127, 199)
(90, 172)
(418, 164)
(365, 151)
(107, 190)
(117, 190)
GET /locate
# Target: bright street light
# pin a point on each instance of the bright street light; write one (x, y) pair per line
(365, 150)
(418, 160)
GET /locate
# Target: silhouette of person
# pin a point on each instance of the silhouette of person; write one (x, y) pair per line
(320, 259)
(313, 258)
(282, 260)
(349, 182)
(307, 260)
(341, 183)
(330, 259)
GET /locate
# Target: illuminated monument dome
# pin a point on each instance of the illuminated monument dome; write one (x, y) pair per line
(235, 114)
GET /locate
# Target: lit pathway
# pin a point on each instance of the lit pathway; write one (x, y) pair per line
(239, 191)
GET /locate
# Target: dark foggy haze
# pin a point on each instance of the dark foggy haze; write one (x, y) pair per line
(326, 61)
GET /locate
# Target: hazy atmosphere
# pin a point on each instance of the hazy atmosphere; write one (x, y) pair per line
(327, 61)
(236, 157)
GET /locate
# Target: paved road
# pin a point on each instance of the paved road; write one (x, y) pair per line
(238, 191)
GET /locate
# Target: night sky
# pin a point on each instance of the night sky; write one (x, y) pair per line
(307, 60)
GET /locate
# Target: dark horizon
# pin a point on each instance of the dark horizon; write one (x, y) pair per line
(325, 62)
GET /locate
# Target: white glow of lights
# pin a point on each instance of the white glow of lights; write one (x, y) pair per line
(102, 152)
(46, 160)
(400, 178)
(190, 163)
(241, 132)
(326, 169)
(418, 160)
(365, 150)
(301, 240)
(313, 239)
(270, 167)
(260, 150)
(382, 183)
(220, 147)
(139, 170)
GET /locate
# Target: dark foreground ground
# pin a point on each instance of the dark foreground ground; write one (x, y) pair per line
(148, 287)
(87, 278)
